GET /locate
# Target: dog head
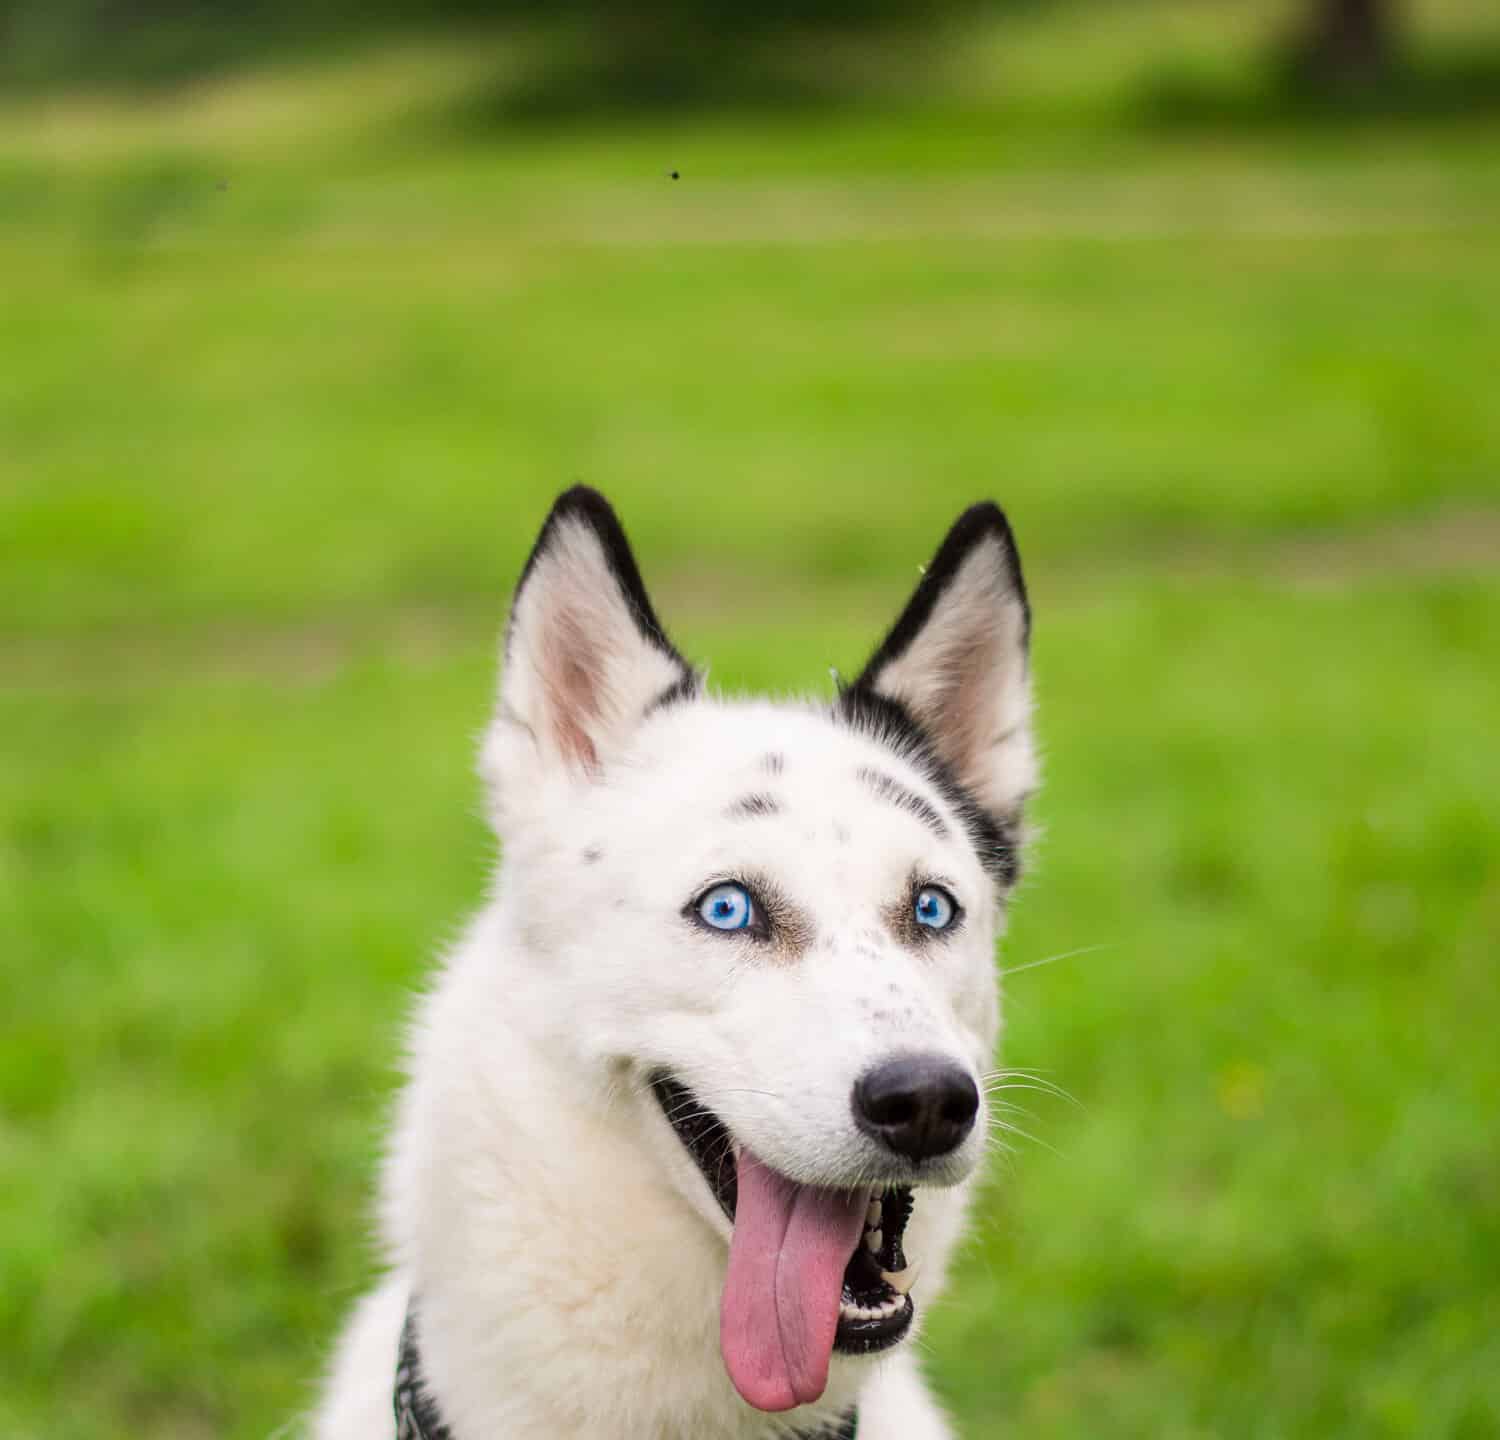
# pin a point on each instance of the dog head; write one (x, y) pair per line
(776, 922)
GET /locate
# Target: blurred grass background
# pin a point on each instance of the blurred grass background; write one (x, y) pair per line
(304, 323)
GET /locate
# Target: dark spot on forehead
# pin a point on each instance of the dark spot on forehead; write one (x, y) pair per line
(749, 806)
(773, 764)
(904, 799)
(593, 855)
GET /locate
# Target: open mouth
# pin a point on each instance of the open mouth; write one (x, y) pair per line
(811, 1271)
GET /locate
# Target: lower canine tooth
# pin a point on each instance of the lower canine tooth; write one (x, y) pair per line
(900, 1281)
(874, 1239)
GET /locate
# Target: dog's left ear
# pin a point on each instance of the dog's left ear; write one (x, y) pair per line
(956, 664)
(585, 656)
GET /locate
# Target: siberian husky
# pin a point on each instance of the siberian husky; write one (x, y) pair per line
(695, 1106)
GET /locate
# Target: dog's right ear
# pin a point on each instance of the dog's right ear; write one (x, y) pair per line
(585, 656)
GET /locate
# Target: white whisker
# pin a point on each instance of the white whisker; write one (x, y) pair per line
(999, 1080)
(1053, 959)
(1009, 1129)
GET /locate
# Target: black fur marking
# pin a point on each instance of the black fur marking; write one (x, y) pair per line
(416, 1412)
(903, 799)
(681, 690)
(749, 806)
(995, 838)
(587, 506)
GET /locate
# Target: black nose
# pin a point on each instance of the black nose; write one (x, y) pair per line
(917, 1105)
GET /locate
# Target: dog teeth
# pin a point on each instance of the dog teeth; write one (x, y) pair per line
(900, 1281)
(874, 1239)
(873, 1312)
(872, 1215)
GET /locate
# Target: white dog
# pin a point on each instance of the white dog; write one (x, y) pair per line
(695, 1105)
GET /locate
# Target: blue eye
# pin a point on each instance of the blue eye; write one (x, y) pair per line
(726, 907)
(934, 907)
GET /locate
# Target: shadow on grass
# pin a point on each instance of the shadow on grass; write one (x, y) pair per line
(693, 68)
(1436, 90)
(111, 50)
(591, 56)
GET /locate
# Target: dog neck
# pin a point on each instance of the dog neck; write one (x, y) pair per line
(419, 1416)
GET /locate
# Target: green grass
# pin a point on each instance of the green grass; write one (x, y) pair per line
(271, 454)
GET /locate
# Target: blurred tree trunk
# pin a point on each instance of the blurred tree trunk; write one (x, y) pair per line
(1347, 43)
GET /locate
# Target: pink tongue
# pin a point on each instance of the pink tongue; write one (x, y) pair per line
(781, 1295)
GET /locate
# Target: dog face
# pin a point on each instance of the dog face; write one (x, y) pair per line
(775, 923)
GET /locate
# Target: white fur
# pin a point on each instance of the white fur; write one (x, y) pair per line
(565, 1248)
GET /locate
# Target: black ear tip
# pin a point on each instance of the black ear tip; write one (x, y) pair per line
(980, 520)
(584, 503)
